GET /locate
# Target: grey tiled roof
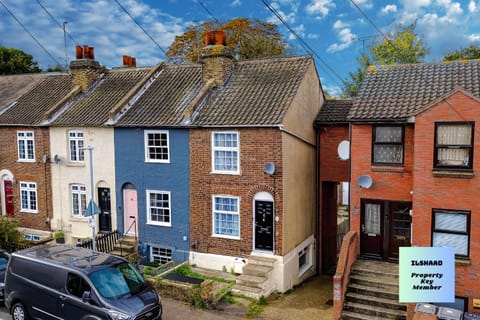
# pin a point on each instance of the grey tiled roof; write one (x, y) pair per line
(31, 107)
(258, 93)
(334, 111)
(92, 108)
(167, 98)
(397, 92)
(14, 86)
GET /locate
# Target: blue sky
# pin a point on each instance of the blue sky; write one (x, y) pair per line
(337, 31)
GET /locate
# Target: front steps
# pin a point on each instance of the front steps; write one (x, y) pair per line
(125, 247)
(256, 280)
(372, 292)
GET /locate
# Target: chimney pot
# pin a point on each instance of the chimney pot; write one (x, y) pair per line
(91, 53)
(78, 52)
(215, 37)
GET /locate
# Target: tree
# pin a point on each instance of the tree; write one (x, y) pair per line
(403, 46)
(471, 52)
(248, 39)
(14, 61)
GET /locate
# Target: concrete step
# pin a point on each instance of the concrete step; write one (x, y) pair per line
(375, 301)
(373, 291)
(347, 315)
(256, 270)
(124, 247)
(373, 267)
(384, 313)
(262, 261)
(246, 291)
(374, 281)
(251, 281)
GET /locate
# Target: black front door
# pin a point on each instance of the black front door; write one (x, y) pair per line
(105, 220)
(264, 225)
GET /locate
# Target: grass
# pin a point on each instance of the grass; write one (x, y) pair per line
(256, 306)
(187, 271)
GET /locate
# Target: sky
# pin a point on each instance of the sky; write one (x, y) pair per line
(335, 33)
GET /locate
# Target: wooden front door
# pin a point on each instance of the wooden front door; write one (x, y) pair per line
(130, 211)
(399, 227)
(264, 225)
(9, 198)
(372, 230)
(105, 217)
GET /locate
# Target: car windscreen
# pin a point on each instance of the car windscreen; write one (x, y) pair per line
(4, 260)
(118, 280)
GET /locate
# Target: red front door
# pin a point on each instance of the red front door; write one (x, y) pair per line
(9, 203)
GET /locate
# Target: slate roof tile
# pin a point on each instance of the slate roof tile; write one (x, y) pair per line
(334, 111)
(14, 86)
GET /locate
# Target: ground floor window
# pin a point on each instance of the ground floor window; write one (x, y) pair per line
(28, 196)
(226, 216)
(304, 260)
(451, 229)
(160, 255)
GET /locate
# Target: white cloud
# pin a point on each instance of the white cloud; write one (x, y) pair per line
(364, 4)
(320, 7)
(472, 7)
(390, 8)
(344, 35)
(474, 37)
(415, 5)
(236, 3)
(290, 17)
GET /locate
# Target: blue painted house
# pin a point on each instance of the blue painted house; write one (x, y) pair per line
(152, 163)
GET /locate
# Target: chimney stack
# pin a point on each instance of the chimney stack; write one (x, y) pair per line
(216, 57)
(85, 69)
(129, 62)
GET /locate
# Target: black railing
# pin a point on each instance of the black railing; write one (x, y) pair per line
(14, 246)
(134, 225)
(105, 242)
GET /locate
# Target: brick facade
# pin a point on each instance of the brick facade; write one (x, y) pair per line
(332, 168)
(38, 172)
(257, 147)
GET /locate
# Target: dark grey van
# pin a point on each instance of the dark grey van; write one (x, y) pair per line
(63, 282)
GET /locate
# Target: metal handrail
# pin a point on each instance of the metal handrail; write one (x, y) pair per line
(134, 223)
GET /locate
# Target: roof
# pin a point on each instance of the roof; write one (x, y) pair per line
(334, 111)
(92, 108)
(258, 93)
(394, 93)
(166, 99)
(31, 107)
(14, 86)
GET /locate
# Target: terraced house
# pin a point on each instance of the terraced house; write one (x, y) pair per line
(413, 170)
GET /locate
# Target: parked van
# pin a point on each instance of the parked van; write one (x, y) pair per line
(63, 282)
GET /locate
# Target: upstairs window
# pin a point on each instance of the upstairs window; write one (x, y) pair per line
(76, 145)
(453, 146)
(156, 146)
(452, 229)
(225, 152)
(28, 197)
(388, 145)
(25, 145)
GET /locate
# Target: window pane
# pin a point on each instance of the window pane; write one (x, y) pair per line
(460, 134)
(387, 153)
(457, 241)
(388, 134)
(451, 221)
(453, 157)
(372, 218)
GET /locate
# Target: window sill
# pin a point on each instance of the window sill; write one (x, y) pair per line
(380, 168)
(29, 211)
(75, 164)
(159, 224)
(225, 237)
(462, 262)
(452, 174)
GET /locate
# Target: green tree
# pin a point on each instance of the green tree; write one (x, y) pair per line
(8, 229)
(471, 52)
(14, 61)
(249, 39)
(402, 46)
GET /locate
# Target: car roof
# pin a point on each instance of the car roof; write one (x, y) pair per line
(81, 259)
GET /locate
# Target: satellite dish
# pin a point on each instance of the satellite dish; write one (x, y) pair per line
(269, 168)
(365, 182)
(56, 159)
(344, 150)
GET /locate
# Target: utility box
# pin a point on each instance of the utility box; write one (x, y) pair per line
(471, 316)
(426, 308)
(445, 313)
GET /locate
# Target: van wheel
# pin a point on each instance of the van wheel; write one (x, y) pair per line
(19, 312)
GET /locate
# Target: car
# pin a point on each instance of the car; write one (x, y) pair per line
(4, 257)
(57, 281)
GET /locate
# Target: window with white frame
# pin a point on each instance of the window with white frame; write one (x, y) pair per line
(388, 145)
(304, 261)
(225, 152)
(26, 145)
(28, 197)
(451, 229)
(76, 145)
(158, 211)
(226, 216)
(160, 255)
(156, 146)
(453, 145)
(79, 199)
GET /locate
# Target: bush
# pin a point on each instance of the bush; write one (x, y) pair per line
(8, 230)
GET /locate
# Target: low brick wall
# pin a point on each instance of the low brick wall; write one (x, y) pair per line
(175, 290)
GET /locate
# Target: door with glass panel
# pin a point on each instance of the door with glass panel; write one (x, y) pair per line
(371, 229)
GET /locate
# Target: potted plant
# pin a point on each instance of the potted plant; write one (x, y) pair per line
(59, 236)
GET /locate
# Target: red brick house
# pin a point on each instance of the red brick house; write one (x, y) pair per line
(414, 168)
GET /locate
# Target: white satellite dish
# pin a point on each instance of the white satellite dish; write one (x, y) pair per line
(365, 182)
(269, 168)
(343, 150)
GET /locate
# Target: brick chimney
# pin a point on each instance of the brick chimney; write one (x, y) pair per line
(217, 58)
(85, 69)
(129, 62)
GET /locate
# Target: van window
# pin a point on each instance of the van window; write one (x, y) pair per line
(39, 272)
(117, 280)
(76, 285)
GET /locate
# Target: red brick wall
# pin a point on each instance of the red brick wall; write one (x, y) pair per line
(389, 183)
(448, 192)
(257, 147)
(331, 167)
(37, 172)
